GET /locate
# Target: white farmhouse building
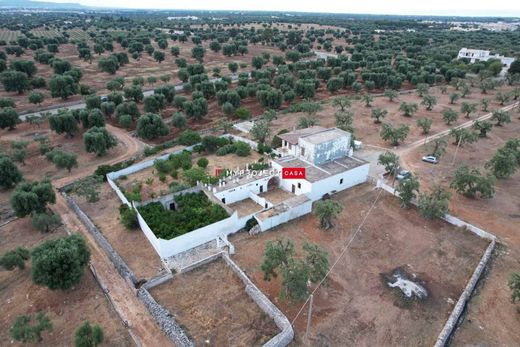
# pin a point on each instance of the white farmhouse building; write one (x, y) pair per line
(482, 55)
(324, 155)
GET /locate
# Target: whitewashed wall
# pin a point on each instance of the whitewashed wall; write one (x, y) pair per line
(119, 193)
(351, 178)
(286, 184)
(242, 192)
(260, 201)
(286, 216)
(251, 143)
(179, 244)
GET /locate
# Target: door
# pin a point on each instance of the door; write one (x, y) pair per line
(293, 188)
(261, 189)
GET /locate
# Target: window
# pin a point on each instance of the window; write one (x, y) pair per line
(302, 151)
(290, 146)
(299, 185)
(223, 200)
(341, 181)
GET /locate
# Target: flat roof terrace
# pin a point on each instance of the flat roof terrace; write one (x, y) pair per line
(245, 207)
(314, 173)
(276, 195)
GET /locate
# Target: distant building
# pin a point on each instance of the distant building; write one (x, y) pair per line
(482, 55)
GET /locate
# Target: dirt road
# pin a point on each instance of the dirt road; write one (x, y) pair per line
(132, 146)
(143, 327)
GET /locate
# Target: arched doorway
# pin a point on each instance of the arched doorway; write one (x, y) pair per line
(273, 183)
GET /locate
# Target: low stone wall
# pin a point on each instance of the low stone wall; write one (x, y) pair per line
(114, 257)
(158, 280)
(165, 319)
(287, 333)
(452, 322)
(162, 316)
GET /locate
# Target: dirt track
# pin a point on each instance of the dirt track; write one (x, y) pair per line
(141, 324)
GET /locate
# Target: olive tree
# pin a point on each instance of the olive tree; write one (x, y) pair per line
(408, 109)
(151, 126)
(394, 134)
(60, 263)
(470, 182)
(390, 161)
(98, 140)
(408, 190)
(9, 173)
(30, 197)
(326, 211)
(435, 204)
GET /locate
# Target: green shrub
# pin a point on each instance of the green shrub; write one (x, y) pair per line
(176, 186)
(87, 335)
(242, 113)
(189, 138)
(202, 162)
(22, 329)
(195, 211)
(264, 148)
(103, 170)
(128, 217)
(224, 150)
(15, 258)
(242, 149)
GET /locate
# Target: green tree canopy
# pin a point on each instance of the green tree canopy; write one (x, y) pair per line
(98, 140)
(60, 263)
(9, 173)
(326, 211)
(151, 126)
(87, 335)
(31, 197)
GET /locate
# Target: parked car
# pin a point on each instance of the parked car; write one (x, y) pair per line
(430, 159)
(403, 174)
(104, 98)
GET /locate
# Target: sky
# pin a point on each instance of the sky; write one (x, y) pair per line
(509, 8)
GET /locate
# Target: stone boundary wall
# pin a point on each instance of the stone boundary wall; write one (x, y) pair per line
(282, 339)
(163, 317)
(114, 257)
(452, 323)
(287, 333)
(201, 262)
(157, 280)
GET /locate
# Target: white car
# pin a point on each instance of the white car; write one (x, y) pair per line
(403, 174)
(430, 159)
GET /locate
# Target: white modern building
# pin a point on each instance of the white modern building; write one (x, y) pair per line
(482, 55)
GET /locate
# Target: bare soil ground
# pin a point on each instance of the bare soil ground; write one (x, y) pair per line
(212, 304)
(37, 167)
(132, 246)
(368, 132)
(491, 319)
(66, 309)
(349, 307)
